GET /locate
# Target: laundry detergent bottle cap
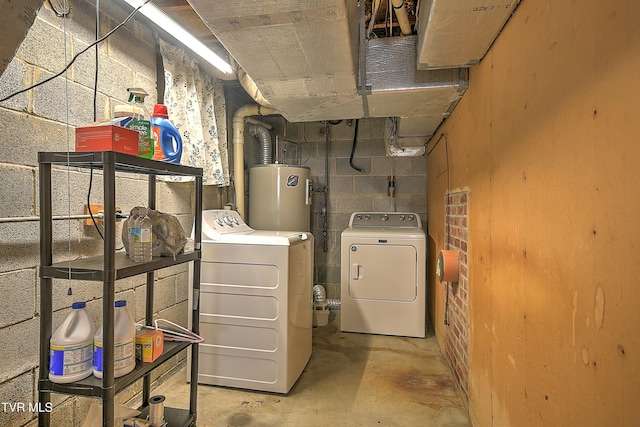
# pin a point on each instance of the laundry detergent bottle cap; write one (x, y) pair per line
(167, 139)
(160, 110)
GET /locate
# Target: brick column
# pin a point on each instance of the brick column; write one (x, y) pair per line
(457, 309)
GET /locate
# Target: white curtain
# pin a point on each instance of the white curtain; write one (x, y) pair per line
(196, 106)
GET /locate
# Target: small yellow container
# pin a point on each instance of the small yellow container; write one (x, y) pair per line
(149, 345)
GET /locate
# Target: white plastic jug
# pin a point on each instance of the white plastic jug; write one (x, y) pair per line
(124, 352)
(71, 347)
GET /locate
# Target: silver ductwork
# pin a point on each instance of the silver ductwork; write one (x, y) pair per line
(239, 118)
(320, 297)
(263, 135)
(459, 33)
(304, 57)
(319, 294)
(423, 98)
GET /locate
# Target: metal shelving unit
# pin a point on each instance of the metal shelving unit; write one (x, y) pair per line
(107, 269)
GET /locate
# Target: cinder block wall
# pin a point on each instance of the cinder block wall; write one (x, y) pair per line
(43, 119)
(350, 190)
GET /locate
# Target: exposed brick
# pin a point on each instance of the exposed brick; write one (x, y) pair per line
(463, 269)
(462, 257)
(457, 339)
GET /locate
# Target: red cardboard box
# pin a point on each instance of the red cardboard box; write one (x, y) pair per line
(107, 138)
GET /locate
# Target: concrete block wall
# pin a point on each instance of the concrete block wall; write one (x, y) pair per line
(44, 119)
(350, 190)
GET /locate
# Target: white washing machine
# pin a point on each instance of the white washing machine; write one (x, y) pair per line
(255, 304)
(383, 274)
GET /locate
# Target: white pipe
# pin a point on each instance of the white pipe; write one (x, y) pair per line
(251, 88)
(374, 11)
(403, 17)
(55, 218)
(259, 123)
(238, 147)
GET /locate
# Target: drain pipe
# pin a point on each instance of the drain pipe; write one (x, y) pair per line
(238, 147)
(403, 17)
(251, 88)
(264, 137)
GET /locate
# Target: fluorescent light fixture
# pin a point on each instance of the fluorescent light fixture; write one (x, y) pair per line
(163, 20)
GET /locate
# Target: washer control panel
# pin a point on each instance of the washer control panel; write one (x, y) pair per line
(222, 221)
(385, 220)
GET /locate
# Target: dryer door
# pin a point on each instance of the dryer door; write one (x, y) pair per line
(383, 272)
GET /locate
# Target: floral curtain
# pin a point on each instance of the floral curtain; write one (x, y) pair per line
(196, 106)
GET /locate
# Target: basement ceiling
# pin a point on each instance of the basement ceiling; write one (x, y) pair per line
(315, 60)
(327, 59)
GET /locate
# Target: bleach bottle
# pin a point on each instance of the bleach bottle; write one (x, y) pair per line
(71, 347)
(124, 352)
(166, 138)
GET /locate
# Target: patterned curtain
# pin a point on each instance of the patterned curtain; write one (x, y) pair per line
(196, 106)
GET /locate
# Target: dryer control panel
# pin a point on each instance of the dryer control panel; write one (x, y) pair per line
(385, 220)
(220, 221)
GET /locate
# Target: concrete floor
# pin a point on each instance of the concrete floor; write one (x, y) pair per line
(350, 380)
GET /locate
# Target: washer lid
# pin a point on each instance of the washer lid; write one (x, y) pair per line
(257, 237)
(264, 237)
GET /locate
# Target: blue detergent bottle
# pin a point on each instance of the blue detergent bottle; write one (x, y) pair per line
(167, 139)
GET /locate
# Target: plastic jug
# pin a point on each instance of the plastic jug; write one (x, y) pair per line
(167, 139)
(124, 352)
(140, 122)
(71, 347)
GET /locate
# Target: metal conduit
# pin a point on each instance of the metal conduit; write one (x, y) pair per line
(37, 218)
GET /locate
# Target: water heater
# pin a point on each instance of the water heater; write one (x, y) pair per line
(280, 197)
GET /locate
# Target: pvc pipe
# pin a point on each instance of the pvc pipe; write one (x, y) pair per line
(55, 218)
(403, 17)
(238, 148)
(252, 89)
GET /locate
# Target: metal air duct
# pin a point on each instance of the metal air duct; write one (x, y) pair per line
(459, 33)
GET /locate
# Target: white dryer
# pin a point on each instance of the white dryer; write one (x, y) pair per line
(255, 304)
(383, 274)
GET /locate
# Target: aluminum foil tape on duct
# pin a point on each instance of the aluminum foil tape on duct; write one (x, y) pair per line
(398, 89)
(459, 33)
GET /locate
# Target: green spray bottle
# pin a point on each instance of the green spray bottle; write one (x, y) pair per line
(141, 122)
